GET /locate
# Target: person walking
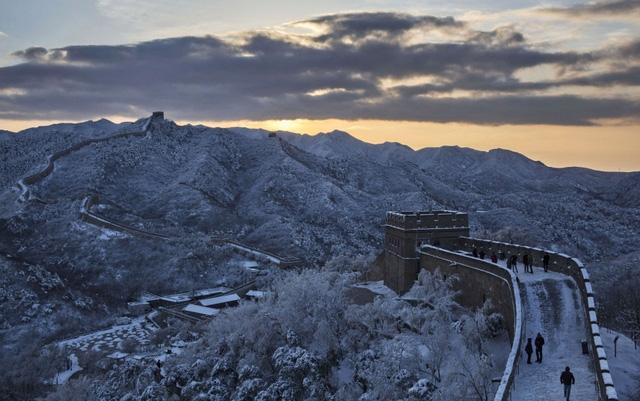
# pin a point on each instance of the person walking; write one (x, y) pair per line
(529, 350)
(530, 264)
(509, 266)
(475, 253)
(525, 262)
(568, 380)
(514, 262)
(494, 258)
(539, 344)
(482, 254)
(545, 262)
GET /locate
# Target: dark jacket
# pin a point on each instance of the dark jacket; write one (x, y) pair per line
(567, 378)
(528, 348)
(539, 341)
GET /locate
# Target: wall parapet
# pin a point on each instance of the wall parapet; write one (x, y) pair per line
(574, 268)
(514, 309)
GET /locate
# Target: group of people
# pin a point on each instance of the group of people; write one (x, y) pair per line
(539, 343)
(566, 377)
(512, 260)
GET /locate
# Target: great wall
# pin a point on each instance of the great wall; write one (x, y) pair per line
(91, 217)
(439, 241)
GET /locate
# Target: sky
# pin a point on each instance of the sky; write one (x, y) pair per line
(557, 80)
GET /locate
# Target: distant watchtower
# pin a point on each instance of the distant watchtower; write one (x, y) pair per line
(157, 115)
(406, 231)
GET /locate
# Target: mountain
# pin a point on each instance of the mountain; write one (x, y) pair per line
(340, 145)
(308, 195)
(173, 190)
(314, 197)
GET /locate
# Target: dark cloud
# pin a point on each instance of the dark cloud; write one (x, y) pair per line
(357, 26)
(32, 53)
(338, 73)
(595, 9)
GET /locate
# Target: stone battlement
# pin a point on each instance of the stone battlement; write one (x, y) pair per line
(405, 232)
(427, 220)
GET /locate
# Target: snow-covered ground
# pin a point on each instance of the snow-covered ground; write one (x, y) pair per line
(110, 339)
(377, 287)
(553, 308)
(625, 367)
(63, 377)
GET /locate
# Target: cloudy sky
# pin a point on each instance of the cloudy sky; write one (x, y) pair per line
(557, 80)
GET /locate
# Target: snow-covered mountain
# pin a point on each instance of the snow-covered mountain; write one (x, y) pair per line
(321, 198)
(310, 195)
(313, 197)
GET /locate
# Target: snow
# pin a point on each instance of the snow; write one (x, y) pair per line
(110, 338)
(256, 294)
(247, 264)
(220, 300)
(117, 355)
(255, 252)
(106, 234)
(377, 287)
(553, 308)
(625, 367)
(201, 310)
(63, 377)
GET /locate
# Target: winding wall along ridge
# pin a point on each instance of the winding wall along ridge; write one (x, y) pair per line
(92, 218)
(575, 269)
(51, 159)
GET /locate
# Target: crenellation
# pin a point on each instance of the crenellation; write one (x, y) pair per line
(405, 232)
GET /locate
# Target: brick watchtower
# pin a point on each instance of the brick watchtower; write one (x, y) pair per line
(406, 231)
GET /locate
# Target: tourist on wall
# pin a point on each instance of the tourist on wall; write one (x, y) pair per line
(475, 253)
(525, 262)
(530, 264)
(514, 262)
(539, 344)
(545, 262)
(482, 254)
(529, 350)
(568, 380)
(494, 258)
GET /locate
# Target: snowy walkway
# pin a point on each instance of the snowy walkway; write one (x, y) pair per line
(552, 307)
(63, 377)
(625, 368)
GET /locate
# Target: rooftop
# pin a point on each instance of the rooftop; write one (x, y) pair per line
(201, 310)
(424, 212)
(220, 300)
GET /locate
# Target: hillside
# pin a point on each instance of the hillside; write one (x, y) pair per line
(308, 195)
(321, 198)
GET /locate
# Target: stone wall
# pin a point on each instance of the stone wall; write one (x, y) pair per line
(574, 268)
(478, 281)
(430, 219)
(399, 272)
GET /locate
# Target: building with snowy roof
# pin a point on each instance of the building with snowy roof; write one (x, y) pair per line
(221, 301)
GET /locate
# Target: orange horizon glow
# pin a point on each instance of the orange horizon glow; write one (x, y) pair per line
(606, 148)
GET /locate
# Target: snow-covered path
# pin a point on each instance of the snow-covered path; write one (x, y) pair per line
(63, 377)
(553, 308)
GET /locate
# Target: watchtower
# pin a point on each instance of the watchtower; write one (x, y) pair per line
(157, 115)
(406, 231)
